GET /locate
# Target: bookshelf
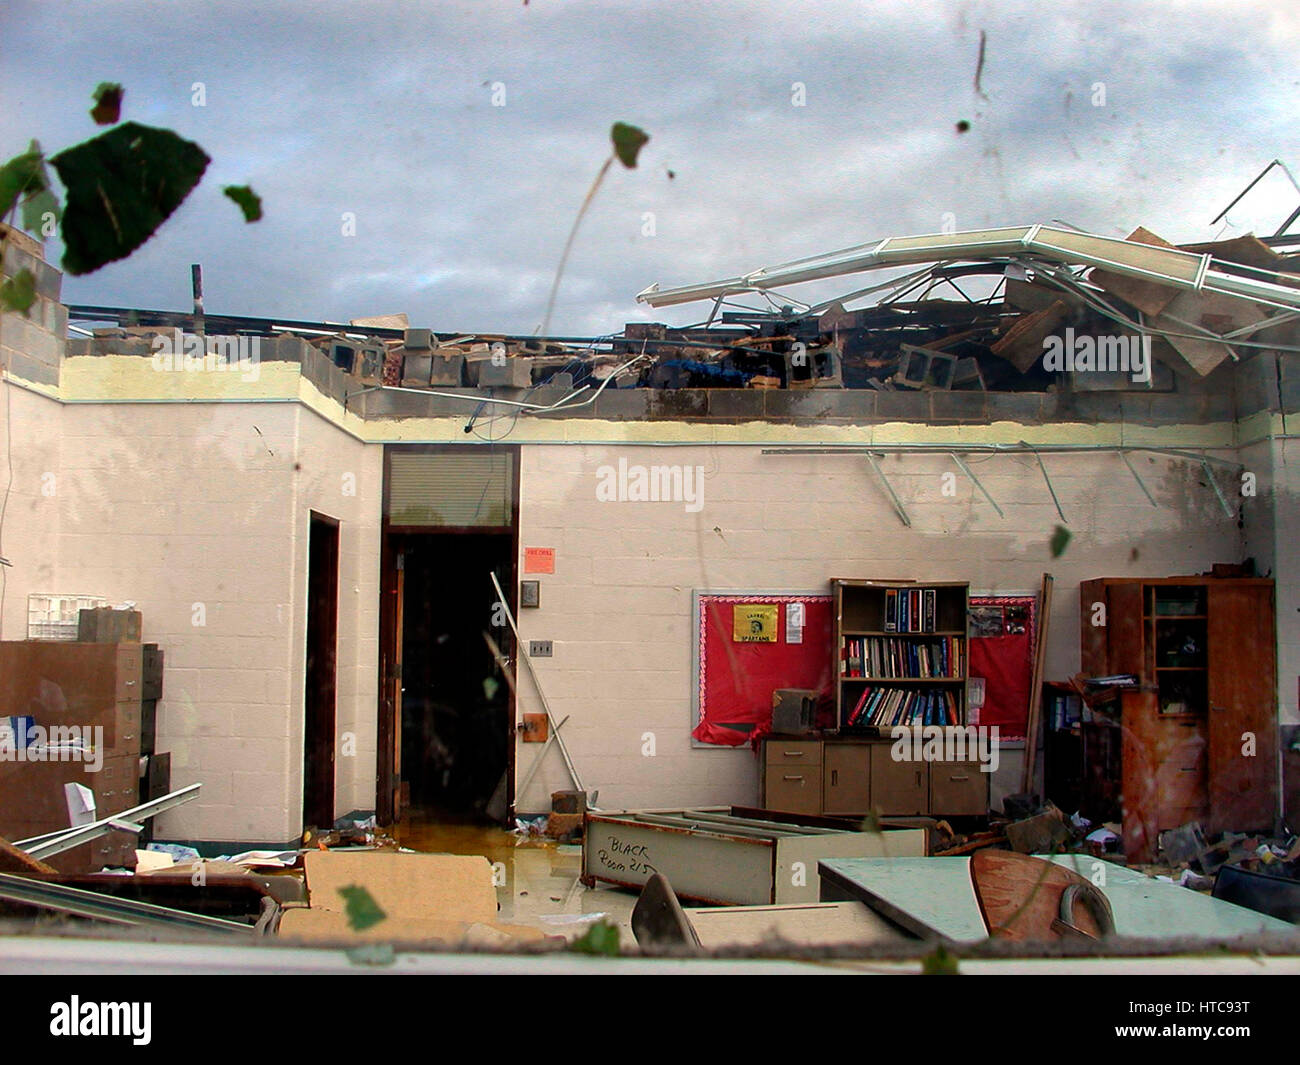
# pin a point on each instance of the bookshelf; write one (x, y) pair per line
(1203, 651)
(899, 655)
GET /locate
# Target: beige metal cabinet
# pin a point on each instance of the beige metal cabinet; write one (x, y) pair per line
(958, 788)
(793, 776)
(899, 788)
(846, 778)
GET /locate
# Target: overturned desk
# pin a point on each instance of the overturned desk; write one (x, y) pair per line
(934, 898)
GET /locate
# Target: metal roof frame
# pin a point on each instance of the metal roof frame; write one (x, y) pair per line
(1179, 269)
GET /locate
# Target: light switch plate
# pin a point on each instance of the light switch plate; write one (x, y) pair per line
(539, 648)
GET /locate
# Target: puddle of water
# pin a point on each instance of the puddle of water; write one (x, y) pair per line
(536, 877)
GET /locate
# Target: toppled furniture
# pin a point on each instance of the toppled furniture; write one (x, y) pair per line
(935, 898)
(714, 857)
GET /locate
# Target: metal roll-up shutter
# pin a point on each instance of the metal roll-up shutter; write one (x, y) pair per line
(448, 489)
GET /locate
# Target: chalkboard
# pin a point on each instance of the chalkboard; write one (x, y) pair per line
(735, 674)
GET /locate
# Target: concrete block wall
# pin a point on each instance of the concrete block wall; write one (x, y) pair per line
(343, 478)
(618, 607)
(29, 471)
(199, 514)
(32, 345)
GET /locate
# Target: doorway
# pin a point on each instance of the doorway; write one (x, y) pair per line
(321, 672)
(446, 708)
(455, 699)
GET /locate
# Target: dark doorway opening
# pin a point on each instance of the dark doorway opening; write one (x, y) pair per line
(455, 701)
(321, 672)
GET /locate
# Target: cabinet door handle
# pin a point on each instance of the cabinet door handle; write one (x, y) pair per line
(961, 778)
(918, 778)
(795, 754)
(835, 778)
(787, 776)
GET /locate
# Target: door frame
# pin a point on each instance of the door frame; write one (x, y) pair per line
(388, 708)
(320, 719)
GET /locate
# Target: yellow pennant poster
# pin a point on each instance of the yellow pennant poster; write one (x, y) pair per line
(754, 623)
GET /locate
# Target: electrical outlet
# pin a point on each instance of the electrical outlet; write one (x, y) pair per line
(539, 648)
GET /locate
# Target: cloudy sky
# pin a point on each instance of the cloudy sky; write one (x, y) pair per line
(1107, 115)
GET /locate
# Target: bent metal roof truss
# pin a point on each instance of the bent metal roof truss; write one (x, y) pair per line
(1164, 265)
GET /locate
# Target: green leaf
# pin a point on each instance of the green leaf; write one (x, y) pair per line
(628, 142)
(22, 176)
(940, 963)
(249, 201)
(1060, 537)
(362, 910)
(42, 202)
(122, 185)
(18, 293)
(108, 103)
(600, 938)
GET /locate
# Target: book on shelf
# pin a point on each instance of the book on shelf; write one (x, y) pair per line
(890, 707)
(897, 657)
(911, 609)
(891, 609)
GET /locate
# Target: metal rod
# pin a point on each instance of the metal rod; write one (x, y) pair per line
(541, 755)
(1048, 480)
(532, 672)
(196, 285)
(57, 842)
(967, 471)
(1141, 484)
(1209, 474)
(100, 907)
(987, 449)
(898, 506)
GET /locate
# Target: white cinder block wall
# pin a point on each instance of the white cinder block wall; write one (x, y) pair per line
(618, 608)
(199, 514)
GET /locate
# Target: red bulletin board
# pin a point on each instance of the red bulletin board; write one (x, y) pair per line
(1002, 633)
(735, 680)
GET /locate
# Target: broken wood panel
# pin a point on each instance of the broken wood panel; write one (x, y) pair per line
(1022, 344)
(1149, 297)
(1208, 310)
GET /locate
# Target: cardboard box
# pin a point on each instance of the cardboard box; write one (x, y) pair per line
(446, 898)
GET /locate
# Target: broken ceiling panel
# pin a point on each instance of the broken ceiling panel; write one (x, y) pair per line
(1208, 311)
(1149, 297)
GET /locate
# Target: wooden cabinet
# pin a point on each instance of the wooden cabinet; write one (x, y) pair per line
(1200, 734)
(851, 777)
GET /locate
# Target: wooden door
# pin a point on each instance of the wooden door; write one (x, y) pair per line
(1243, 707)
(1126, 631)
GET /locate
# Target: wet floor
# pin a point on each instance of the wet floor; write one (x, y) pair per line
(541, 886)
